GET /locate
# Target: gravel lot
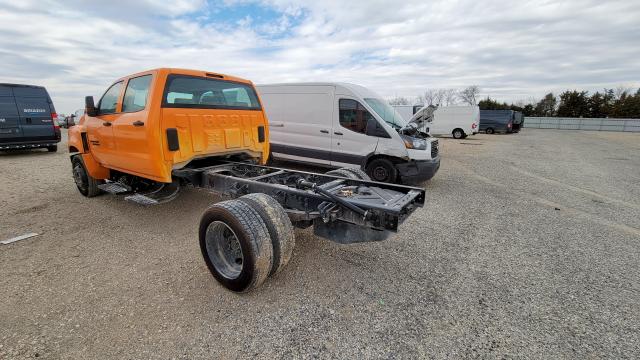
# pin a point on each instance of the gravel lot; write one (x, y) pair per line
(528, 247)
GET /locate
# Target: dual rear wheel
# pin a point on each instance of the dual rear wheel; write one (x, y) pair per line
(244, 241)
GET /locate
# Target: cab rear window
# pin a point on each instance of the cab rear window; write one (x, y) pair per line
(183, 91)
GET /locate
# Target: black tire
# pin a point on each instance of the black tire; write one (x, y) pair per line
(490, 131)
(382, 170)
(87, 185)
(279, 226)
(351, 173)
(235, 244)
(458, 134)
(52, 148)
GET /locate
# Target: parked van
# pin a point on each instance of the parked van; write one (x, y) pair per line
(492, 121)
(457, 121)
(27, 118)
(518, 121)
(346, 125)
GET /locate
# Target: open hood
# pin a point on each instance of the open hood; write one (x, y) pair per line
(422, 117)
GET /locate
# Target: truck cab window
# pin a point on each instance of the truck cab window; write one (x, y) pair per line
(354, 116)
(135, 97)
(109, 100)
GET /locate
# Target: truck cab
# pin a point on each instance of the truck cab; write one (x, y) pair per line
(153, 122)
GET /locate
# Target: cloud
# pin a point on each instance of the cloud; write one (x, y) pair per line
(512, 51)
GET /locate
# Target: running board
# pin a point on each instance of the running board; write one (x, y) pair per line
(114, 188)
(163, 194)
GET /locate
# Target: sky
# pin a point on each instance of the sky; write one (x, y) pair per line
(514, 51)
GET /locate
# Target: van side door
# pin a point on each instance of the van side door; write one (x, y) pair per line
(350, 143)
(99, 127)
(132, 130)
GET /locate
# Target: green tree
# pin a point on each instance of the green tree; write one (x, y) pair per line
(546, 106)
(573, 104)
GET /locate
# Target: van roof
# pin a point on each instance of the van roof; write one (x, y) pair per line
(200, 73)
(21, 85)
(359, 90)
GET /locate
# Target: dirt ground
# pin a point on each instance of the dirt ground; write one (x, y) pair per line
(528, 247)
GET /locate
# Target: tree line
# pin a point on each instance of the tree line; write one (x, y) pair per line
(613, 103)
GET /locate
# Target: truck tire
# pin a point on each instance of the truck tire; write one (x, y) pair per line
(235, 244)
(458, 134)
(279, 226)
(52, 148)
(87, 185)
(351, 173)
(490, 130)
(382, 170)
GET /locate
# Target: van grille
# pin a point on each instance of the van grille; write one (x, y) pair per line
(434, 149)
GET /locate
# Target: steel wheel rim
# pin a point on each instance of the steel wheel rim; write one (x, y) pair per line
(224, 250)
(80, 177)
(380, 173)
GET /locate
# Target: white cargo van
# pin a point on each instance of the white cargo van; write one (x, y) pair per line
(457, 121)
(339, 124)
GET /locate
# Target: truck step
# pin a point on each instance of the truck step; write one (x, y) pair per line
(141, 199)
(114, 188)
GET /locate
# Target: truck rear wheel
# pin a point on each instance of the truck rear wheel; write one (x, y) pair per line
(87, 185)
(279, 227)
(235, 244)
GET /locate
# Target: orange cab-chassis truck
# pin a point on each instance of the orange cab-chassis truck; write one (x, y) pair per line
(157, 131)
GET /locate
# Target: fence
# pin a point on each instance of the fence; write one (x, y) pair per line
(595, 124)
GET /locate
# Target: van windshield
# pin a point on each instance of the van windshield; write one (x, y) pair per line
(386, 112)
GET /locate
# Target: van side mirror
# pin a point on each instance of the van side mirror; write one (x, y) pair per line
(89, 106)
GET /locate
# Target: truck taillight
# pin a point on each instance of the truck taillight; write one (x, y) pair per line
(54, 120)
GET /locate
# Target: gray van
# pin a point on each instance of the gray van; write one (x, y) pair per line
(27, 118)
(496, 121)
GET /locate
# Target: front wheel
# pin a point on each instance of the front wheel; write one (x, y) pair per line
(87, 185)
(382, 170)
(458, 134)
(236, 245)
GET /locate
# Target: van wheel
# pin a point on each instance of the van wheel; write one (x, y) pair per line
(235, 244)
(279, 226)
(458, 134)
(87, 185)
(52, 148)
(351, 173)
(382, 170)
(490, 131)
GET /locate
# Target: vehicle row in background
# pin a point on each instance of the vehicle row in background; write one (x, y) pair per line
(27, 118)
(462, 121)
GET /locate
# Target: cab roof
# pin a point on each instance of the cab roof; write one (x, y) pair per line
(199, 73)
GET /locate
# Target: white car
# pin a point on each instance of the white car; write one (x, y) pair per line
(339, 124)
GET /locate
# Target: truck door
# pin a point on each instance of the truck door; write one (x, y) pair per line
(35, 112)
(10, 130)
(349, 143)
(100, 129)
(131, 131)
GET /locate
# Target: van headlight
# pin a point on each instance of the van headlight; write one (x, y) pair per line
(414, 143)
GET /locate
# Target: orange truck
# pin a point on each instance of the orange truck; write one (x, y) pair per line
(156, 132)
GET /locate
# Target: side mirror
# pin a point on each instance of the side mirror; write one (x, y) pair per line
(89, 106)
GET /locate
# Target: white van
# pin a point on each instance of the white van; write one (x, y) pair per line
(457, 121)
(346, 125)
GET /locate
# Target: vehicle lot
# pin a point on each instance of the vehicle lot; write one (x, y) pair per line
(528, 246)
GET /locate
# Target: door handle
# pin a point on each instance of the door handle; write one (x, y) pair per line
(106, 123)
(276, 125)
(324, 131)
(338, 133)
(138, 123)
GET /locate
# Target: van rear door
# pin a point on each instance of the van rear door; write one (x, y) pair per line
(35, 110)
(9, 118)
